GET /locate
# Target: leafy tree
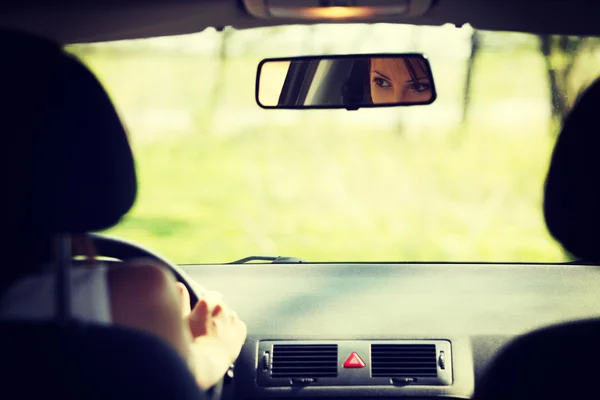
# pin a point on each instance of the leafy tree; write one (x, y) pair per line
(560, 55)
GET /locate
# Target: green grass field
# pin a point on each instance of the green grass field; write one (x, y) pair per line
(325, 190)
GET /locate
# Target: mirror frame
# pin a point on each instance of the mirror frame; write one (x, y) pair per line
(342, 57)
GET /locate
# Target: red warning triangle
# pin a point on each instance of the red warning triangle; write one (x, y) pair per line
(354, 361)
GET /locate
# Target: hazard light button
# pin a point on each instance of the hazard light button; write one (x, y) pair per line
(354, 361)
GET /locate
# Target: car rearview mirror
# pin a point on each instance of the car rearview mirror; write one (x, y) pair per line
(348, 81)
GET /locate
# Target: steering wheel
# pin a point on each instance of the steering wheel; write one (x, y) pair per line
(124, 250)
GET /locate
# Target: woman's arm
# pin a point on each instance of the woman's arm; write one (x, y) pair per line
(209, 337)
(145, 297)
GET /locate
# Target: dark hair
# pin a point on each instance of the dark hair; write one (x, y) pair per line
(410, 62)
(357, 90)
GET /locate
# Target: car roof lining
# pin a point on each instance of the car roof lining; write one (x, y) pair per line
(76, 21)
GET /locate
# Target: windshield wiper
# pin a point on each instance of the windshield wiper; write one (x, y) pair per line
(273, 260)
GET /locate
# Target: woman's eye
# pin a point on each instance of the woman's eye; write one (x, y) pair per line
(420, 87)
(382, 82)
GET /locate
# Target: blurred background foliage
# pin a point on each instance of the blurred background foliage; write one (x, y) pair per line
(460, 180)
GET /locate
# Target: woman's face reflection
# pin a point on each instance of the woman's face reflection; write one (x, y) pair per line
(396, 80)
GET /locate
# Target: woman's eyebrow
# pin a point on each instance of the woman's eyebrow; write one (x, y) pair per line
(425, 78)
(382, 75)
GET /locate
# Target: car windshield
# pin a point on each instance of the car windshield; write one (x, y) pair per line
(459, 180)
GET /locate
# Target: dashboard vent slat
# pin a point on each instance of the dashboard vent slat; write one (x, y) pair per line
(403, 360)
(304, 361)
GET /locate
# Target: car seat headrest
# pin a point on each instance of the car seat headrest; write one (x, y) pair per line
(69, 167)
(572, 192)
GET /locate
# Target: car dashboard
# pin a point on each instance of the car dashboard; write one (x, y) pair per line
(388, 330)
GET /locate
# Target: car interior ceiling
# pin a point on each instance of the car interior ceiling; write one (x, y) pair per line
(485, 361)
(76, 21)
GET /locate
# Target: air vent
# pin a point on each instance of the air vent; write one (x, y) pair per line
(404, 360)
(304, 360)
(321, 363)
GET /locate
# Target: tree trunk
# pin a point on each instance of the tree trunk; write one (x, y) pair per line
(475, 47)
(221, 66)
(558, 100)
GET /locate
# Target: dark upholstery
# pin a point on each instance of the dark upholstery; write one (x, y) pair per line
(561, 362)
(47, 361)
(67, 168)
(63, 143)
(572, 197)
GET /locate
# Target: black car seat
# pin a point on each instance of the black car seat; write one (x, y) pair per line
(562, 361)
(572, 198)
(67, 168)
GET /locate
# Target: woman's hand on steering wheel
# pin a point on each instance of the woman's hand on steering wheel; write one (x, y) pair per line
(217, 332)
(129, 252)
